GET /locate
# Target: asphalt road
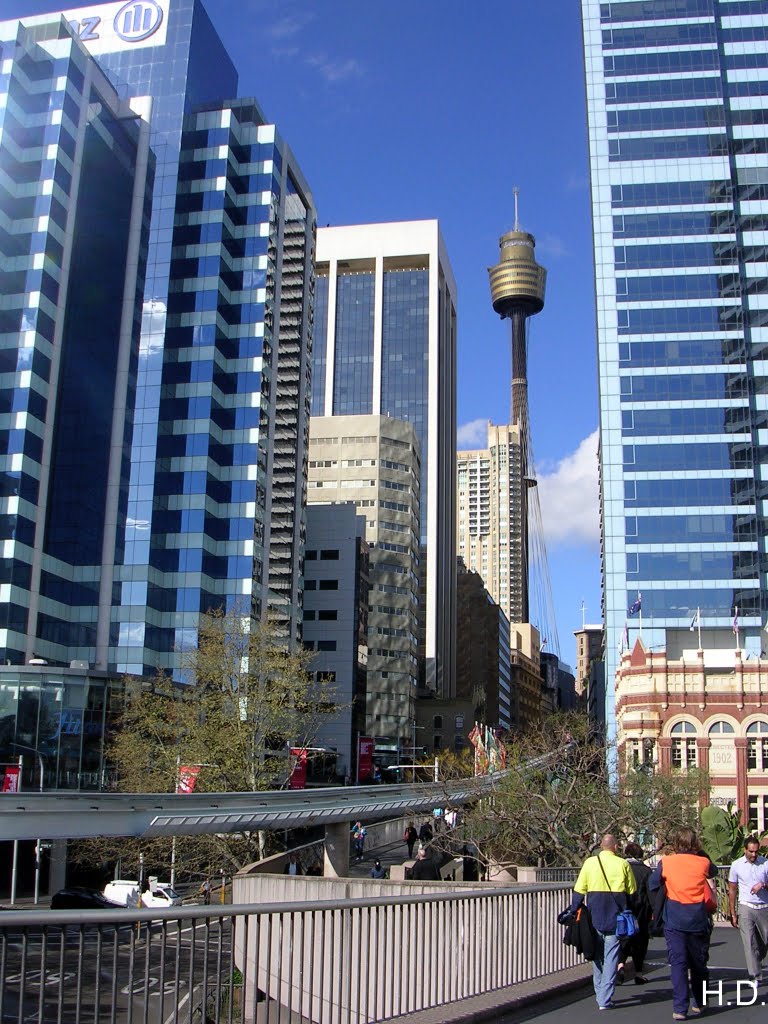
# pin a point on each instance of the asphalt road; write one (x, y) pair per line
(115, 974)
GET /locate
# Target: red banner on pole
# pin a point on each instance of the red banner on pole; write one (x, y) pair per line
(11, 779)
(187, 778)
(365, 745)
(298, 779)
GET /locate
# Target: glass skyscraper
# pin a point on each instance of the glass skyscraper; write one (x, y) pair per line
(156, 340)
(677, 96)
(385, 344)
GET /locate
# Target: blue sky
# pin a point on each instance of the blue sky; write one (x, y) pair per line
(437, 109)
(423, 109)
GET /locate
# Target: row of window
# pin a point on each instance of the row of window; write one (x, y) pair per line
(692, 529)
(710, 352)
(675, 422)
(686, 491)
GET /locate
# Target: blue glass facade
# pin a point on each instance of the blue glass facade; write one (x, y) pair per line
(69, 335)
(156, 506)
(353, 379)
(678, 124)
(405, 357)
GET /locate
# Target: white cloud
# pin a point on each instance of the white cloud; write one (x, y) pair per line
(472, 435)
(568, 496)
(336, 69)
(551, 245)
(289, 26)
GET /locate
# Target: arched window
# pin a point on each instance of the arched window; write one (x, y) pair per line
(683, 745)
(720, 728)
(757, 750)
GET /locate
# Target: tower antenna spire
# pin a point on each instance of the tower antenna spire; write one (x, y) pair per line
(516, 193)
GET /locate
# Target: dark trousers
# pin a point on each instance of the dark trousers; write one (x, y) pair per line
(687, 951)
(411, 844)
(635, 948)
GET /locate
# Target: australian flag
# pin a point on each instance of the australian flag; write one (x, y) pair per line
(635, 607)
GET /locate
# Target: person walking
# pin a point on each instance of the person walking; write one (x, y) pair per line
(425, 869)
(426, 833)
(358, 836)
(293, 866)
(377, 871)
(636, 946)
(607, 882)
(747, 888)
(685, 875)
(205, 891)
(410, 835)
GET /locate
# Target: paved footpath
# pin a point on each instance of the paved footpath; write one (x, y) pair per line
(541, 1000)
(732, 999)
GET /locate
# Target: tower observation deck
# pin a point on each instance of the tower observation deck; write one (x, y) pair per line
(517, 291)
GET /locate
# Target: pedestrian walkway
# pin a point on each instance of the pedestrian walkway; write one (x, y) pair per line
(547, 999)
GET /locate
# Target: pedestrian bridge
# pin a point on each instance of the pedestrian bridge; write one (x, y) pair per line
(326, 960)
(68, 815)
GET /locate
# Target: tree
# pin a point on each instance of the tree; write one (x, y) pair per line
(558, 798)
(244, 701)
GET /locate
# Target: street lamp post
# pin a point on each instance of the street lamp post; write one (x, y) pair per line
(38, 849)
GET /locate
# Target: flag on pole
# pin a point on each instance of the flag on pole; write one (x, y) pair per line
(636, 606)
(624, 639)
(736, 620)
(695, 621)
(187, 778)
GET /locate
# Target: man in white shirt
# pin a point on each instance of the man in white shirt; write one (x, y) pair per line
(748, 880)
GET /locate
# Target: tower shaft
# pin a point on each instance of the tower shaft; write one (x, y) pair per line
(517, 291)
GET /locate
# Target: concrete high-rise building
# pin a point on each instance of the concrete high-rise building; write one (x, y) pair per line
(589, 648)
(677, 104)
(482, 661)
(489, 517)
(374, 462)
(385, 345)
(336, 596)
(158, 357)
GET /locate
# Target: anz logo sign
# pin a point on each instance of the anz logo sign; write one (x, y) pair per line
(109, 27)
(137, 20)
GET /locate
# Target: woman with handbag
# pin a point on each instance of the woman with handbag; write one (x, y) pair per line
(685, 874)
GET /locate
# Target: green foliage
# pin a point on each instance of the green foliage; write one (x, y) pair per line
(245, 701)
(722, 834)
(558, 799)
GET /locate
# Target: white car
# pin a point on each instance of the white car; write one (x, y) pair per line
(163, 896)
(126, 893)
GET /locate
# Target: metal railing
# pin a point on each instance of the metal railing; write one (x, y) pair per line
(345, 962)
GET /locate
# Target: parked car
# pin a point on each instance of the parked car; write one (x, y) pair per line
(78, 898)
(123, 891)
(126, 893)
(163, 896)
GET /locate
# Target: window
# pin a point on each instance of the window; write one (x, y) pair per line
(310, 584)
(327, 615)
(326, 645)
(329, 584)
(720, 728)
(438, 722)
(330, 554)
(310, 556)
(459, 722)
(757, 750)
(683, 745)
(309, 616)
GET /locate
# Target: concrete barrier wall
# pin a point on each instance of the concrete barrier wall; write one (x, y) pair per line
(356, 964)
